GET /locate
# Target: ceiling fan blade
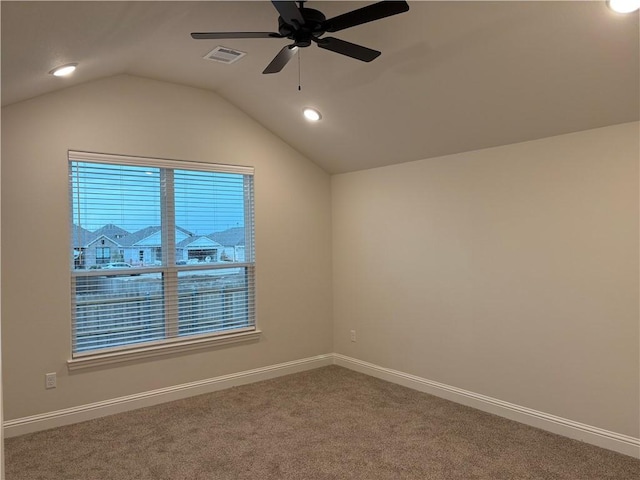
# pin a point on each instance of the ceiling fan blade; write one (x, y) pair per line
(223, 35)
(349, 49)
(281, 59)
(289, 12)
(366, 14)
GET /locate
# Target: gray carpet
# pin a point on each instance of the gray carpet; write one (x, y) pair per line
(329, 423)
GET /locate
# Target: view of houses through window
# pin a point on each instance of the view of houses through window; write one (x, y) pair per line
(159, 254)
(143, 248)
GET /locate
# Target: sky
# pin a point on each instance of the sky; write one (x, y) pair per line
(130, 197)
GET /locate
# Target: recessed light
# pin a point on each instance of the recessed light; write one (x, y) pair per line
(624, 6)
(64, 70)
(311, 114)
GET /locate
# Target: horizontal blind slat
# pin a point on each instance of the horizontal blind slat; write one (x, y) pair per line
(116, 217)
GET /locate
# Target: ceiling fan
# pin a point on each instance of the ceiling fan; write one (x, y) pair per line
(306, 25)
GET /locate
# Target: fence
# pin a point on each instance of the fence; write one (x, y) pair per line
(117, 311)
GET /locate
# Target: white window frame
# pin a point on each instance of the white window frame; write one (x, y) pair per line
(172, 344)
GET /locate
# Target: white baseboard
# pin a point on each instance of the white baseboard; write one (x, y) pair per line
(562, 426)
(67, 416)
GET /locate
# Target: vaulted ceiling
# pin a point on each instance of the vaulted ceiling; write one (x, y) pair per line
(453, 76)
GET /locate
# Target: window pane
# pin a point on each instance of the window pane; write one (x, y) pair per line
(112, 311)
(214, 300)
(210, 217)
(116, 216)
(129, 216)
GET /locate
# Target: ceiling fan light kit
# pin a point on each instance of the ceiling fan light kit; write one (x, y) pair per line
(305, 26)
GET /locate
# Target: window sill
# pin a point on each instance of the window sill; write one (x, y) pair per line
(99, 360)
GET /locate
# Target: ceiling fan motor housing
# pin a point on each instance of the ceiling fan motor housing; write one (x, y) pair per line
(303, 35)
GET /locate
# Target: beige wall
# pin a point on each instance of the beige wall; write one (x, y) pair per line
(510, 272)
(1, 405)
(135, 116)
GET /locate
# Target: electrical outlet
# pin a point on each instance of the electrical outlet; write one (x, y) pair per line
(353, 335)
(50, 380)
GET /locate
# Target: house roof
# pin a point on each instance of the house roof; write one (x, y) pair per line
(200, 241)
(104, 239)
(135, 237)
(80, 236)
(232, 237)
(111, 231)
(118, 235)
(150, 236)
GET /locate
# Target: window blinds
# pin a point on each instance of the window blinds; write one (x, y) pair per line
(161, 251)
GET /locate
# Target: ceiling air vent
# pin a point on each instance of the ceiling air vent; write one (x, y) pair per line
(224, 55)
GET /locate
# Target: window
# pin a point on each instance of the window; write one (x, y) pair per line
(103, 255)
(176, 280)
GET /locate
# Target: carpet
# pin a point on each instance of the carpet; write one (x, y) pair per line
(327, 423)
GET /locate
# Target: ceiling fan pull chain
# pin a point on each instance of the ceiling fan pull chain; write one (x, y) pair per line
(299, 82)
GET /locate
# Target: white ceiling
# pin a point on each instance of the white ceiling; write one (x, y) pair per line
(453, 76)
